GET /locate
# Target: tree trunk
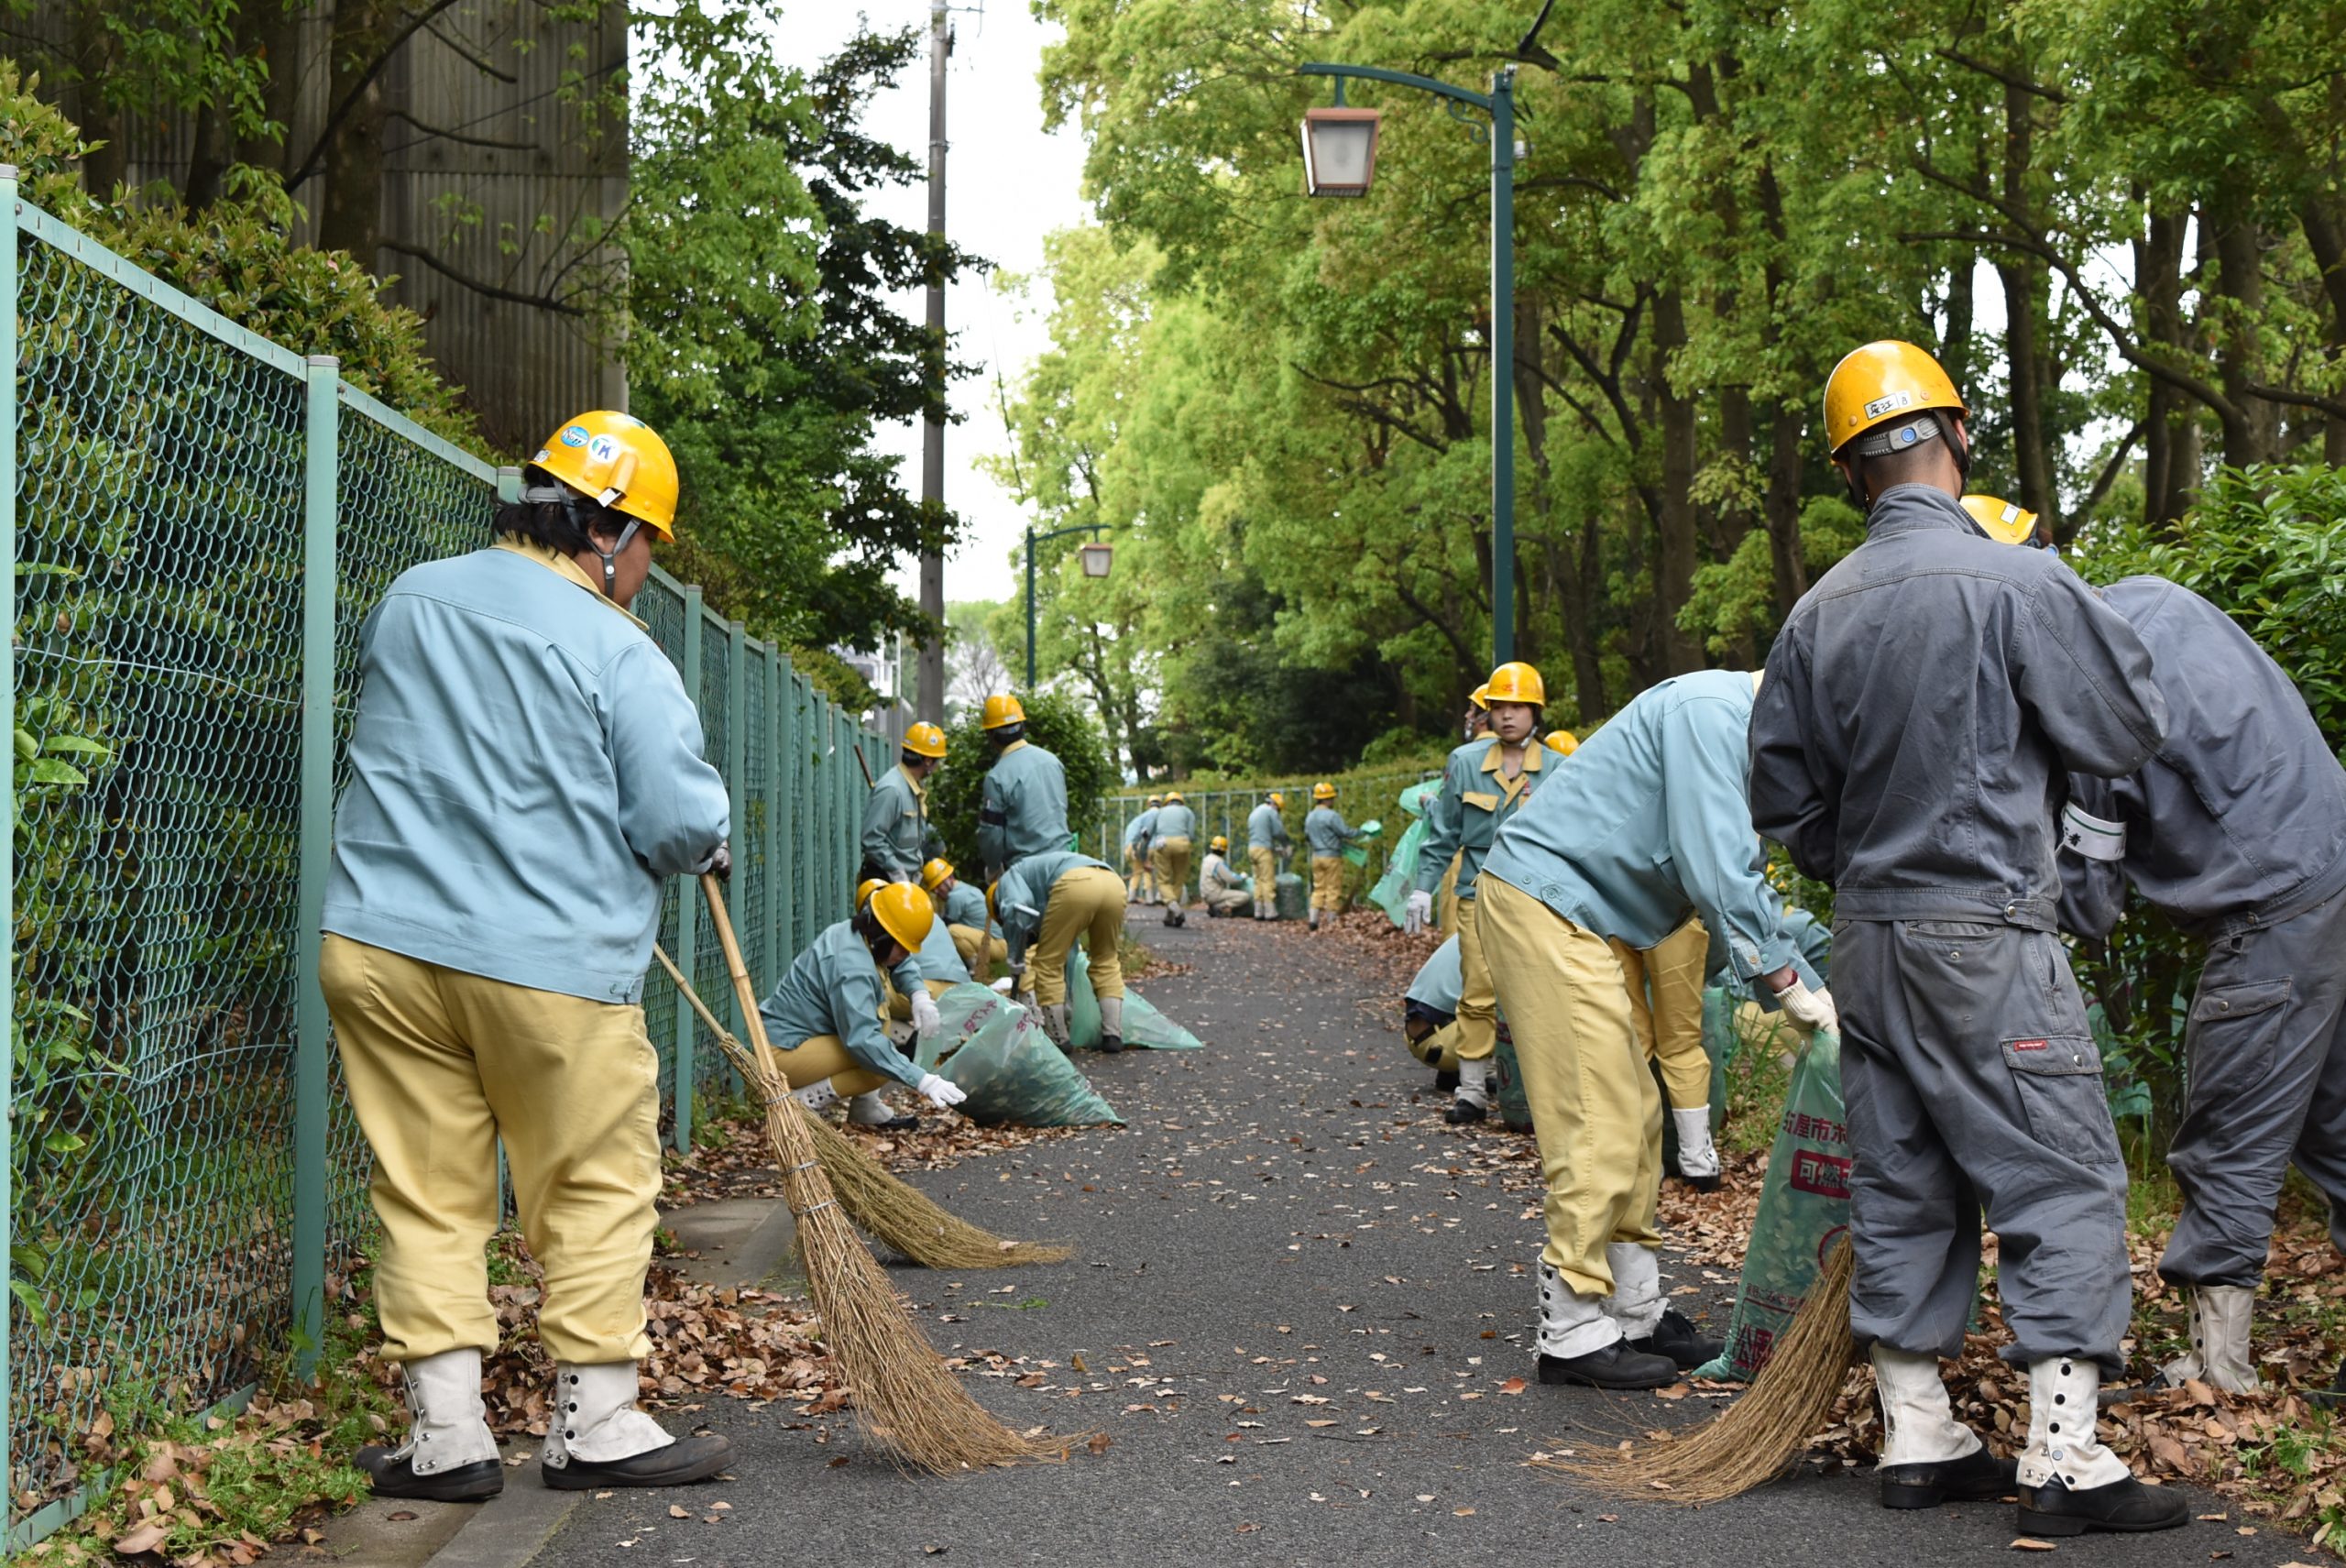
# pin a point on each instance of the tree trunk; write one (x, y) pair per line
(1782, 505)
(1674, 566)
(2025, 351)
(2251, 430)
(350, 205)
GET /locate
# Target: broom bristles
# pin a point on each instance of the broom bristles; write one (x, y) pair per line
(1759, 1436)
(882, 1204)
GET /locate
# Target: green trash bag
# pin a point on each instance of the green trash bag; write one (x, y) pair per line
(1804, 1212)
(1009, 1071)
(1146, 1027)
(1083, 1030)
(1294, 897)
(1391, 892)
(1514, 1109)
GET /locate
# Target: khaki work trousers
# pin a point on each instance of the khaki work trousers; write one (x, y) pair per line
(1136, 876)
(1445, 901)
(1478, 1019)
(1328, 884)
(1665, 985)
(1087, 902)
(824, 1057)
(441, 1065)
(1226, 900)
(980, 952)
(1594, 1108)
(1170, 857)
(1266, 875)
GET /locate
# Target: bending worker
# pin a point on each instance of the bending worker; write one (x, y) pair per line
(1168, 854)
(1924, 699)
(963, 909)
(1430, 1015)
(1045, 903)
(1652, 829)
(1022, 809)
(896, 835)
(1266, 839)
(1225, 891)
(1326, 832)
(827, 1016)
(1140, 883)
(490, 911)
(1486, 782)
(2235, 831)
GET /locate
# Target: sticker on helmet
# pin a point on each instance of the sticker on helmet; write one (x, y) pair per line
(1882, 406)
(603, 449)
(574, 436)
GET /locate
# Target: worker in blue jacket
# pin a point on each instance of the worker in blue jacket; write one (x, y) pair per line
(1650, 829)
(1021, 805)
(1046, 903)
(525, 769)
(1140, 877)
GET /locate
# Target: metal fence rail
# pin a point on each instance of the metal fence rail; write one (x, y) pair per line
(197, 523)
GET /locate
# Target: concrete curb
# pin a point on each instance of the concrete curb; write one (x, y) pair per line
(511, 1527)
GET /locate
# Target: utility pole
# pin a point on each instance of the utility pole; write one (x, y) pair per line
(932, 445)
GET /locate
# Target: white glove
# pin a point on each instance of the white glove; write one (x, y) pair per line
(1812, 1010)
(925, 1018)
(940, 1092)
(1419, 914)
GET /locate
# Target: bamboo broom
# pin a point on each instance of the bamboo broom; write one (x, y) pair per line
(884, 1206)
(1759, 1437)
(906, 1398)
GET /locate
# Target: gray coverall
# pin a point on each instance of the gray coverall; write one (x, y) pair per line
(1921, 703)
(2236, 830)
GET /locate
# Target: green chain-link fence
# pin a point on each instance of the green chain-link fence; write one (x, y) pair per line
(198, 523)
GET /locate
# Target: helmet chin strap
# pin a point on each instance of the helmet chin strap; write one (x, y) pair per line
(574, 507)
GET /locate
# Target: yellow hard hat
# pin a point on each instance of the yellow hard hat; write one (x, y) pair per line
(1172, 796)
(925, 740)
(936, 872)
(1323, 789)
(1560, 742)
(1156, 800)
(903, 912)
(866, 888)
(1514, 682)
(1481, 696)
(617, 460)
(1881, 383)
(2001, 520)
(1221, 845)
(1278, 798)
(994, 911)
(1001, 709)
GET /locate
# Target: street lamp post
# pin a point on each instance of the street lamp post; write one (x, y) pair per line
(1096, 560)
(1340, 159)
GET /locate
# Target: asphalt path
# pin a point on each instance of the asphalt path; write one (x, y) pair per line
(1298, 1329)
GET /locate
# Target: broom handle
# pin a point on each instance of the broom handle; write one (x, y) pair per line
(746, 994)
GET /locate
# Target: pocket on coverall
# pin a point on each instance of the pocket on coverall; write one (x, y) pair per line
(2059, 1079)
(2234, 1030)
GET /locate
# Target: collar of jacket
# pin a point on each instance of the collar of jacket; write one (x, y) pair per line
(1906, 508)
(919, 792)
(554, 561)
(1532, 750)
(1014, 746)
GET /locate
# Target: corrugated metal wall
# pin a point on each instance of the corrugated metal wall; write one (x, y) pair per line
(504, 164)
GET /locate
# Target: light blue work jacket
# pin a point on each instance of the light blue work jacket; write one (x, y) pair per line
(1475, 800)
(834, 989)
(897, 838)
(1023, 808)
(1175, 820)
(1647, 823)
(1265, 829)
(524, 768)
(1327, 832)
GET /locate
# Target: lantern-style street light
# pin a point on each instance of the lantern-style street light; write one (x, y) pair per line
(1095, 556)
(1340, 159)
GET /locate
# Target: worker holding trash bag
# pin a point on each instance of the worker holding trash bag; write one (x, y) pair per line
(1021, 805)
(897, 836)
(1652, 831)
(1140, 883)
(2235, 831)
(962, 906)
(1224, 890)
(1266, 841)
(1046, 903)
(525, 769)
(827, 1017)
(1484, 782)
(1923, 702)
(1326, 832)
(1169, 841)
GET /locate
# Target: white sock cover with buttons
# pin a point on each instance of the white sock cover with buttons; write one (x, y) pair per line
(2219, 1352)
(1475, 1081)
(816, 1096)
(1572, 1324)
(2061, 1442)
(1919, 1421)
(594, 1415)
(1636, 1301)
(450, 1426)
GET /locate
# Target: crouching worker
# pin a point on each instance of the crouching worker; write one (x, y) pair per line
(962, 907)
(1430, 1015)
(1327, 833)
(488, 914)
(1045, 903)
(1224, 890)
(827, 1019)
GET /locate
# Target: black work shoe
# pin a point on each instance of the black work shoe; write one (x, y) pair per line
(1111, 1044)
(681, 1463)
(1465, 1113)
(892, 1124)
(2125, 1506)
(1617, 1366)
(1975, 1477)
(2334, 1397)
(474, 1483)
(1699, 1183)
(1676, 1338)
(1445, 1082)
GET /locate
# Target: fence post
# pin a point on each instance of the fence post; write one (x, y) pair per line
(737, 781)
(7, 811)
(319, 515)
(508, 485)
(779, 953)
(688, 905)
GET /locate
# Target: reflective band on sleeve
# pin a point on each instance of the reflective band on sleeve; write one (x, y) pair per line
(2090, 838)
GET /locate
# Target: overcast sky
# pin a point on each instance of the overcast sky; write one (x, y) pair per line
(1007, 186)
